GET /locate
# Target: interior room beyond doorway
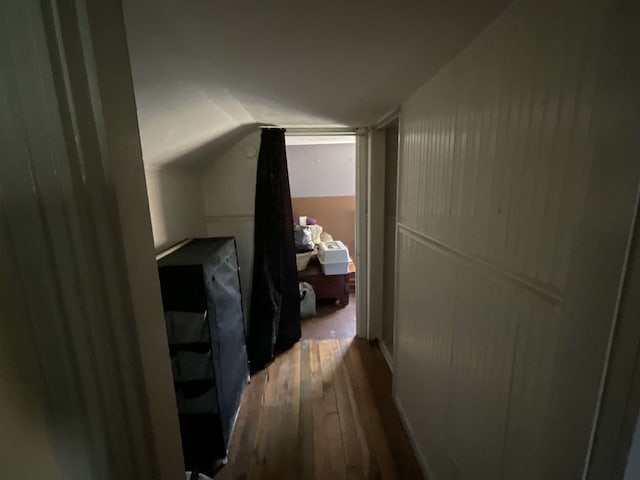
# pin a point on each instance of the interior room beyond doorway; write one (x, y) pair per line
(323, 199)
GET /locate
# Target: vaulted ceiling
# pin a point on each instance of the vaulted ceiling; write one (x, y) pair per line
(206, 71)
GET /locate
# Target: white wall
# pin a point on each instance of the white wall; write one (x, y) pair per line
(229, 191)
(509, 259)
(327, 170)
(176, 204)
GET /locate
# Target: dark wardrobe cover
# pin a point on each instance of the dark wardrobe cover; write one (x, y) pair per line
(202, 277)
(275, 299)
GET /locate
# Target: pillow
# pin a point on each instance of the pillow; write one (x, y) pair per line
(316, 230)
(326, 237)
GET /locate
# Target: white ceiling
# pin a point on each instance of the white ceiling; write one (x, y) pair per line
(207, 71)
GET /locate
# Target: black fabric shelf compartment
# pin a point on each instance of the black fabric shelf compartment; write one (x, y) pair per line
(197, 441)
(200, 347)
(205, 402)
(187, 327)
(189, 366)
(205, 327)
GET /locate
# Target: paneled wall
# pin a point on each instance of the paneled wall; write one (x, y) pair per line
(495, 156)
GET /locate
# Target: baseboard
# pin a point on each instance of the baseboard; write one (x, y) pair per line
(426, 472)
(385, 353)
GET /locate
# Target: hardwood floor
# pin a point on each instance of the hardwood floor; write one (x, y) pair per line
(331, 321)
(322, 410)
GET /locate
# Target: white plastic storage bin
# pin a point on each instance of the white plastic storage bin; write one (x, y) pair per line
(338, 268)
(333, 252)
(334, 258)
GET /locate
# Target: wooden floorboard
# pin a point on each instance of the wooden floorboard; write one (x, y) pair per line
(322, 410)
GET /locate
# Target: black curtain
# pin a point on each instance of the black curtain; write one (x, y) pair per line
(275, 302)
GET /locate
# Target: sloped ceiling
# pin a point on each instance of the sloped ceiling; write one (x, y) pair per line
(207, 71)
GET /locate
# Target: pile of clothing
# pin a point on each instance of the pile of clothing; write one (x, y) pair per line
(308, 234)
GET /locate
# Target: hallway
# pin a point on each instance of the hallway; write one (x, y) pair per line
(315, 413)
(331, 321)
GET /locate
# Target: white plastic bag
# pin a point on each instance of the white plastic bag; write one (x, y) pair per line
(307, 300)
(190, 476)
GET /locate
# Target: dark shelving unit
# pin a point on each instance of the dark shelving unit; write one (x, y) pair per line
(202, 301)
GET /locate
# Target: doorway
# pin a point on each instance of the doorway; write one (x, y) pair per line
(390, 203)
(323, 198)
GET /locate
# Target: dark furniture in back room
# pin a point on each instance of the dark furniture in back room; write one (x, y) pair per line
(328, 286)
(205, 327)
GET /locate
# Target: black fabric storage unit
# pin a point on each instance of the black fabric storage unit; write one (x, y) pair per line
(205, 326)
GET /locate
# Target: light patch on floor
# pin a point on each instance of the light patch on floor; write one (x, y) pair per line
(331, 321)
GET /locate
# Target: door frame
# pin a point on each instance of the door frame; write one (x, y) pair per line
(619, 407)
(74, 202)
(395, 120)
(370, 162)
(361, 222)
(371, 176)
(362, 236)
